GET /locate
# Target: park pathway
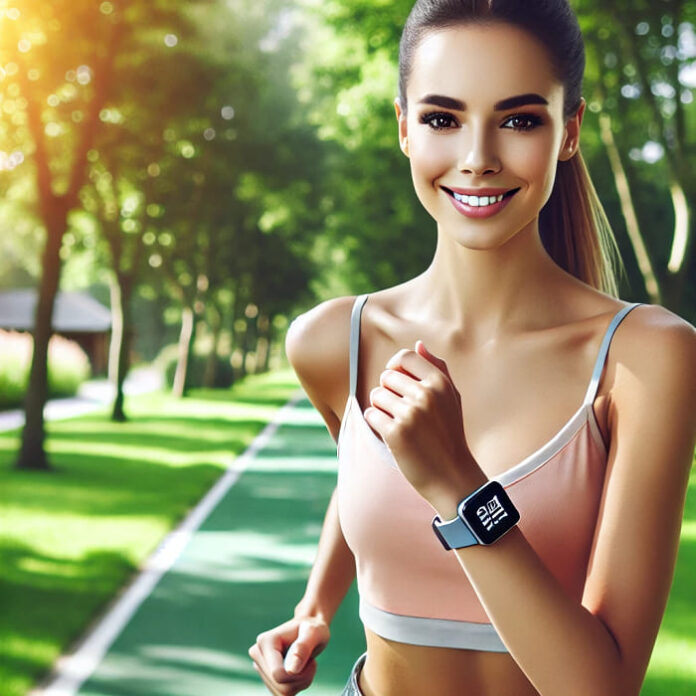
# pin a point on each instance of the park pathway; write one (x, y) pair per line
(236, 566)
(91, 396)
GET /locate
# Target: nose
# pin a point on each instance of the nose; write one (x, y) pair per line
(477, 155)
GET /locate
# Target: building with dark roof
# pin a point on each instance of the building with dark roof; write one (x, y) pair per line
(76, 316)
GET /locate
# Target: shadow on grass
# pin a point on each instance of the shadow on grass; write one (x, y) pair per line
(45, 600)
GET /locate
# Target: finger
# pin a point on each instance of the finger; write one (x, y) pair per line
(309, 641)
(282, 683)
(378, 420)
(272, 646)
(396, 362)
(267, 682)
(422, 349)
(389, 402)
(414, 364)
(400, 384)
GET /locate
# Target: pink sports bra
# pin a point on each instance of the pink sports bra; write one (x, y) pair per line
(411, 589)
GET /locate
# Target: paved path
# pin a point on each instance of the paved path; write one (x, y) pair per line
(91, 396)
(235, 567)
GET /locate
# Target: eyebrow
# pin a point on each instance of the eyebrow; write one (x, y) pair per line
(502, 105)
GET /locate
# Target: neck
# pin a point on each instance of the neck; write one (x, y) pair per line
(488, 294)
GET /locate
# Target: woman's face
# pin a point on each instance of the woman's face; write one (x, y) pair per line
(461, 136)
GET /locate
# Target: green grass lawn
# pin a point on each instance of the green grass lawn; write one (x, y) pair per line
(70, 538)
(672, 670)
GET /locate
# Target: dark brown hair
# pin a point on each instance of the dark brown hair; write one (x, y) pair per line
(573, 225)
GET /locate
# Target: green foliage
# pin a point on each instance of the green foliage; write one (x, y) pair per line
(197, 365)
(68, 367)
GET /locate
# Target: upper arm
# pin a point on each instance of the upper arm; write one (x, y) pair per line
(652, 421)
(317, 344)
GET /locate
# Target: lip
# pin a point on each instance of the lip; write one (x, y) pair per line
(478, 191)
(480, 211)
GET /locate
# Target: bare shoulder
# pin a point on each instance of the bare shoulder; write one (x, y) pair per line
(655, 362)
(317, 346)
(658, 341)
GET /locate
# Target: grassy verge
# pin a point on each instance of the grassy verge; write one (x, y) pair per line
(69, 539)
(672, 670)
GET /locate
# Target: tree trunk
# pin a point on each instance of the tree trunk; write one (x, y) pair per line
(270, 335)
(32, 454)
(121, 335)
(211, 361)
(185, 336)
(263, 343)
(627, 208)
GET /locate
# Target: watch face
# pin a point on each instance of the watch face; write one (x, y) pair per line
(489, 512)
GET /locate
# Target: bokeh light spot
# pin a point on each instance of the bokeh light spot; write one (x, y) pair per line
(12, 13)
(209, 133)
(171, 40)
(106, 8)
(34, 74)
(186, 149)
(84, 75)
(227, 112)
(10, 161)
(53, 100)
(153, 169)
(24, 45)
(53, 129)
(155, 260)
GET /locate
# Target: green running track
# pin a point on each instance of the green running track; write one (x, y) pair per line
(240, 572)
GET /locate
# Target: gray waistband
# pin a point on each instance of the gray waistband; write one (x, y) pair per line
(440, 633)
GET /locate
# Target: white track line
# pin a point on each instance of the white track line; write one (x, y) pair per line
(71, 671)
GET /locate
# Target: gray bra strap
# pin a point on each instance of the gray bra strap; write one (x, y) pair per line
(603, 350)
(355, 340)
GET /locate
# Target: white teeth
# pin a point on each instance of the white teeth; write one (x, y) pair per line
(477, 201)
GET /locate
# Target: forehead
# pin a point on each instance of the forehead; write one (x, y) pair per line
(488, 61)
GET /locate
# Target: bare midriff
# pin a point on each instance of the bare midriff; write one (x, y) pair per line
(399, 669)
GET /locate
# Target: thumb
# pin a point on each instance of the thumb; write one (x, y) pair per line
(302, 649)
(438, 362)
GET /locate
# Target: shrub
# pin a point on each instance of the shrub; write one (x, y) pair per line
(68, 367)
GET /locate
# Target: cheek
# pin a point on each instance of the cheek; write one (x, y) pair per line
(430, 157)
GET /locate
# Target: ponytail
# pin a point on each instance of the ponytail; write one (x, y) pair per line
(575, 231)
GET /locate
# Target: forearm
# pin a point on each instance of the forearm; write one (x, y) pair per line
(333, 570)
(562, 648)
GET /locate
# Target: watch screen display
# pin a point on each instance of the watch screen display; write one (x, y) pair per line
(490, 512)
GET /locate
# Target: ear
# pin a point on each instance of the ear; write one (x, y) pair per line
(571, 141)
(403, 126)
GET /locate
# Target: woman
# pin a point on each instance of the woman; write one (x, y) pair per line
(476, 363)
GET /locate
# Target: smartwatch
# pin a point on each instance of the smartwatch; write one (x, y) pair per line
(482, 518)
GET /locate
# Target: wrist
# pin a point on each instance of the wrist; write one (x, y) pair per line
(307, 608)
(446, 501)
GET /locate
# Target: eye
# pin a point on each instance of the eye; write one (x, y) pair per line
(438, 120)
(524, 122)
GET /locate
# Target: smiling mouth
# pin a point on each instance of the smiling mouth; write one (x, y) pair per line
(509, 193)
